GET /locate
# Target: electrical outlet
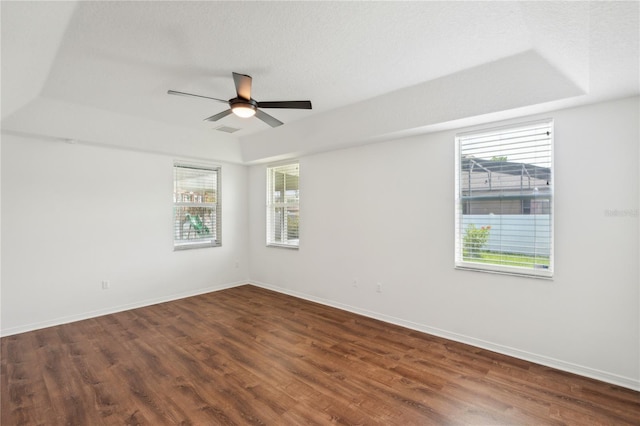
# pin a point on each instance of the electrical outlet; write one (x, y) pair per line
(354, 283)
(106, 284)
(379, 287)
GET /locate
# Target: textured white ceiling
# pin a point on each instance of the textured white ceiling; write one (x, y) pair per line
(122, 57)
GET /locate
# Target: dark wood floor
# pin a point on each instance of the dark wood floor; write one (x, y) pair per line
(251, 356)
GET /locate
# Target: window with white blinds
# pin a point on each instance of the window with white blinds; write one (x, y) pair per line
(196, 206)
(283, 205)
(504, 199)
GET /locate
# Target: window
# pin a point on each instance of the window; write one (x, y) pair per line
(196, 206)
(504, 200)
(283, 206)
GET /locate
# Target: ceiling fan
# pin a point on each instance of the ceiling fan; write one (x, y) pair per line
(243, 105)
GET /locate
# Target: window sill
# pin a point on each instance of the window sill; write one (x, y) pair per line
(190, 246)
(284, 246)
(544, 274)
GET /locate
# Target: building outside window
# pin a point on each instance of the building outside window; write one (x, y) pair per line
(504, 200)
(196, 206)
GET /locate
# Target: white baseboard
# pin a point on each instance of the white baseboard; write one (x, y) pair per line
(604, 376)
(114, 309)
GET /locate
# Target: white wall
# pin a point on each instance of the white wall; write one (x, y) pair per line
(74, 215)
(384, 213)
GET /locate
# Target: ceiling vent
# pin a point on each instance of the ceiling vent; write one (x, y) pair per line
(227, 129)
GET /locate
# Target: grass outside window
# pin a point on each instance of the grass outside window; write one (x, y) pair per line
(509, 259)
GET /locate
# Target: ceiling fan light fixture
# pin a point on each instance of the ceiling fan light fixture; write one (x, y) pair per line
(244, 111)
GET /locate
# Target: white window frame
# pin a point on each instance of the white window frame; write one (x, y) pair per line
(277, 221)
(183, 199)
(545, 197)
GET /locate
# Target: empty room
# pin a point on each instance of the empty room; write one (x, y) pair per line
(287, 213)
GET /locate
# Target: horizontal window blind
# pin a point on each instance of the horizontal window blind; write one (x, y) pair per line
(196, 206)
(504, 199)
(283, 205)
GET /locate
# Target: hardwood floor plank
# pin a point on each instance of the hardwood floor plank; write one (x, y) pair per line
(252, 356)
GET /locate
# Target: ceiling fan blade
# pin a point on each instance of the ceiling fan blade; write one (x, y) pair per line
(218, 116)
(173, 92)
(286, 104)
(271, 121)
(243, 85)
